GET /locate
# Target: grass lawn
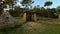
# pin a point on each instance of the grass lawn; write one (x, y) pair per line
(48, 28)
(51, 29)
(48, 20)
(18, 20)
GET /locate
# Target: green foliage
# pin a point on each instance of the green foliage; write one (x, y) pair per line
(44, 12)
(16, 12)
(10, 1)
(58, 9)
(52, 28)
(48, 3)
(27, 3)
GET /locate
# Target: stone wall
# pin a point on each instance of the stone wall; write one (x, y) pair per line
(24, 17)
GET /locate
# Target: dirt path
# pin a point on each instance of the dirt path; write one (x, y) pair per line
(33, 28)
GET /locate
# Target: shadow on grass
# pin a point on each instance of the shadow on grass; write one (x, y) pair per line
(10, 29)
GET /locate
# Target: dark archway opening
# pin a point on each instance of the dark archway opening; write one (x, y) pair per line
(29, 16)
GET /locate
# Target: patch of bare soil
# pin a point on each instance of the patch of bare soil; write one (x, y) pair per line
(33, 27)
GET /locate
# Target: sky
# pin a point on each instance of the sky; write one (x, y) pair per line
(41, 3)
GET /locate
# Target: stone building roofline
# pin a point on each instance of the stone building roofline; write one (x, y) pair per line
(29, 11)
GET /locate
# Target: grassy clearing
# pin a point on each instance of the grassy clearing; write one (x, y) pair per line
(48, 28)
(51, 29)
(18, 20)
(48, 20)
(17, 30)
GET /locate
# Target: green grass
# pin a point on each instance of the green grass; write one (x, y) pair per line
(47, 20)
(17, 30)
(49, 29)
(18, 20)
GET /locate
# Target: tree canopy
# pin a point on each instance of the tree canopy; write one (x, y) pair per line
(48, 3)
(27, 3)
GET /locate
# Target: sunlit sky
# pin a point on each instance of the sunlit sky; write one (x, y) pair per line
(41, 3)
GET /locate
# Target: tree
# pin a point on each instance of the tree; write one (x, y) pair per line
(11, 2)
(27, 3)
(43, 12)
(37, 9)
(54, 13)
(42, 9)
(3, 4)
(48, 3)
(58, 9)
(15, 12)
(34, 8)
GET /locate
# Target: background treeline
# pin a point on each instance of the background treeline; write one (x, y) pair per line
(50, 12)
(40, 11)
